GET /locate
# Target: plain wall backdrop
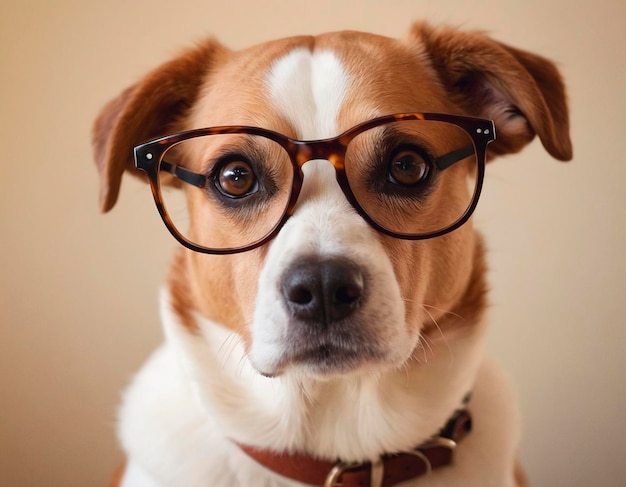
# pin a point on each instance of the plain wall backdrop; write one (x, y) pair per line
(78, 290)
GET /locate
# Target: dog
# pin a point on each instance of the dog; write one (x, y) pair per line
(324, 317)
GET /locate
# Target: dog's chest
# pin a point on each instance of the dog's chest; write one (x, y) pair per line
(174, 436)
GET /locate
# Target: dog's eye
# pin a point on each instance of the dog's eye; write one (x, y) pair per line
(236, 179)
(408, 167)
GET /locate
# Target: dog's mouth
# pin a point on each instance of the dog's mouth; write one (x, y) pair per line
(328, 358)
(325, 356)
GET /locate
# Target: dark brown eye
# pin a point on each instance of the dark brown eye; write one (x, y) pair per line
(236, 179)
(408, 168)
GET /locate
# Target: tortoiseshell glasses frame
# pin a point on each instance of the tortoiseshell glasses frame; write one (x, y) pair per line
(149, 158)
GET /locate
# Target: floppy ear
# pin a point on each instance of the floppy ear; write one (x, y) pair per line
(147, 110)
(521, 92)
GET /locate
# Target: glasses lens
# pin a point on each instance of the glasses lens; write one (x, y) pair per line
(413, 177)
(225, 191)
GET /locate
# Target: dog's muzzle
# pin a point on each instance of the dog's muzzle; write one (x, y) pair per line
(324, 301)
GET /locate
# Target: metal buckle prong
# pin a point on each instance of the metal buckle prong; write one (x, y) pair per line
(439, 441)
(378, 467)
(376, 477)
(336, 472)
(435, 442)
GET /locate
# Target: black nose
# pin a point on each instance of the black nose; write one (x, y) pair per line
(323, 292)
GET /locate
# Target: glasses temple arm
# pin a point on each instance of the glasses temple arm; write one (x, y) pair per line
(199, 180)
(447, 160)
(183, 174)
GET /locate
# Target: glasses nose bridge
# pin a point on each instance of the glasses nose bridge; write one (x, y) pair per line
(331, 150)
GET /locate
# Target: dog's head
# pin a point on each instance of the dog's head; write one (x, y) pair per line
(334, 290)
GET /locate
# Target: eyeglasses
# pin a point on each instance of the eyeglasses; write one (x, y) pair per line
(230, 189)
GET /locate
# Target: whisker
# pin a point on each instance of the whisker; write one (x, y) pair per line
(445, 312)
(443, 336)
(306, 393)
(241, 364)
(405, 367)
(427, 346)
(243, 332)
(229, 345)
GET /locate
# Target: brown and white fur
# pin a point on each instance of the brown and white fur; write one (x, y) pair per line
(223, 374)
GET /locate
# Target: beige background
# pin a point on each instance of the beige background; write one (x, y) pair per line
(78, 291)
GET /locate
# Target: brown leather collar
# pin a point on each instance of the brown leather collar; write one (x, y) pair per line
(390, 470)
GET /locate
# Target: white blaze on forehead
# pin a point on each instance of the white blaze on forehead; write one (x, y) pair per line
(308, 89)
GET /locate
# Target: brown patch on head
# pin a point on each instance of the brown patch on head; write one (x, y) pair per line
(386, 76)
(146, 110)
(237, 93)
(522, 92)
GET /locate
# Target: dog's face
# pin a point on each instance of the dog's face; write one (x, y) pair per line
(309, 96)
(330, 295)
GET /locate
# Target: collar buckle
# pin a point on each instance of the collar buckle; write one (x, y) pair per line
(436, 452)
(377, 471)
(393, 469)
(334, 476)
